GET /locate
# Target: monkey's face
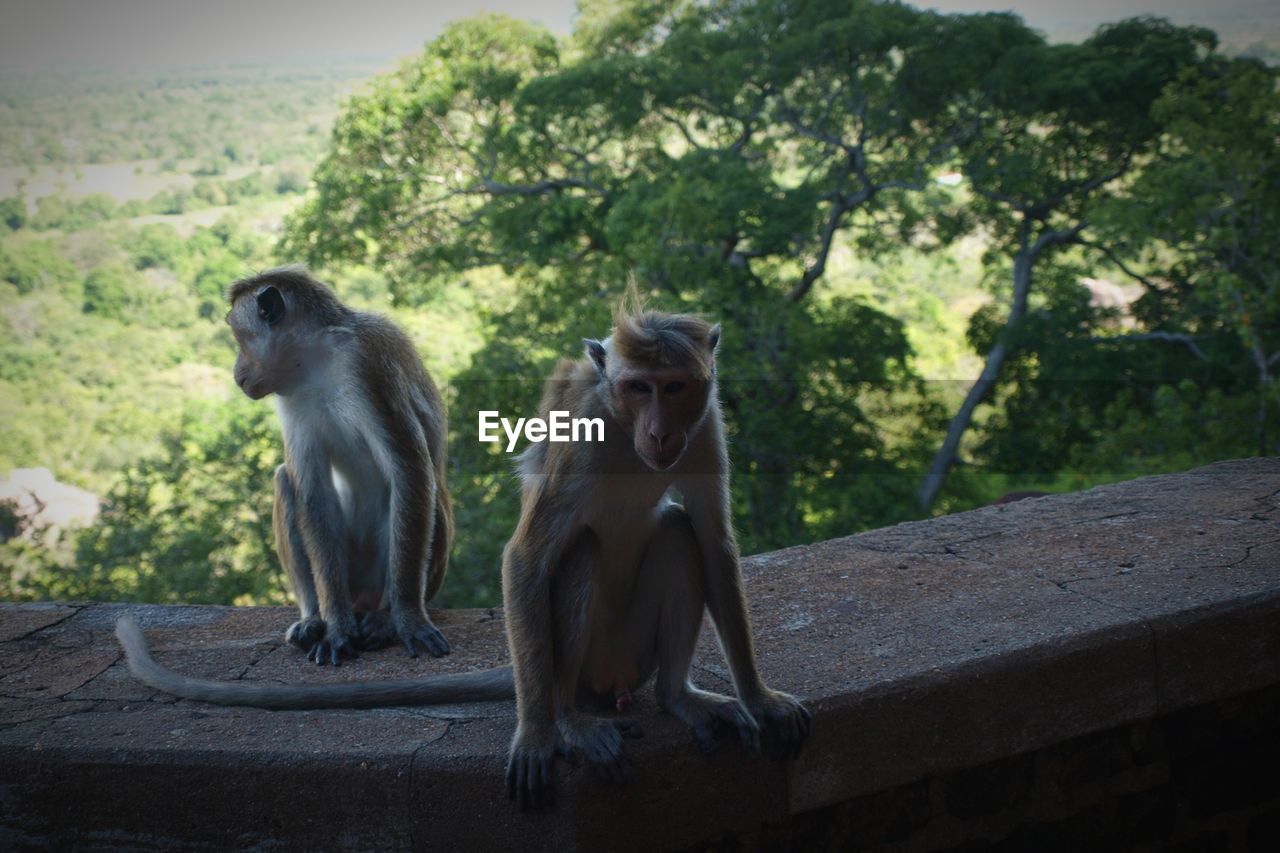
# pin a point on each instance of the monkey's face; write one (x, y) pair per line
(268, 360)
(663, 408)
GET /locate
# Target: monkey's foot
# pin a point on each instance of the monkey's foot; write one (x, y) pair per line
(600, 742)
(305, 633)
(709, 714)
(373, 631)
(332, 649)
(784, 719)
(529, 768)
(416, 629)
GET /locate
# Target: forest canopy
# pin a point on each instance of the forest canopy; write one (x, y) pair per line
(824, 179)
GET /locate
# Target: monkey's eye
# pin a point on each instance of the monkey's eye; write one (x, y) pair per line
(639, 387)
(673, 387)
(271, 306)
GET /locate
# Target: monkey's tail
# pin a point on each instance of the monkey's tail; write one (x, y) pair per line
(486, 685)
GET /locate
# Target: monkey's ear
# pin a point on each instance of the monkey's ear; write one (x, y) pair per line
(713, 337)
(271, 306)
(595, 350)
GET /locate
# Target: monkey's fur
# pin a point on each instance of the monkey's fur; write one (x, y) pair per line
(606, 577)
(362, 518)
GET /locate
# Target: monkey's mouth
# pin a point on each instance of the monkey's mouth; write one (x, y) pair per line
(664, 462)
(253, 391)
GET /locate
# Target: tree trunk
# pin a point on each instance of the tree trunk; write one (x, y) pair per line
(946, 455)
(1264, 399)
(1023, 262)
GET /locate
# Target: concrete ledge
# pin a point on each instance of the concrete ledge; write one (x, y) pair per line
(924, 649)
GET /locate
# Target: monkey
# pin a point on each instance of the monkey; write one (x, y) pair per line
(362, 518)
(606, 577)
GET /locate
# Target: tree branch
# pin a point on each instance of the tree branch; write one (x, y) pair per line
(495, 188)
(1119, 263)
(839, 207)
(1189, 341)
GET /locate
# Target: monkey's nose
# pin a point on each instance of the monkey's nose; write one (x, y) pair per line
(660, 439)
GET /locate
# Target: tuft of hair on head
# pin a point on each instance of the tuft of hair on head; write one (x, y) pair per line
(658, 339)
(632, 302)
(316, 298)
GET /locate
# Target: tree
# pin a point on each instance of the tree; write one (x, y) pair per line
(13, 212)
(35, 265)
(154, 246)
(1046, 139)
(640, 157)
(110, 291)
(192, 525)
(1212, 198)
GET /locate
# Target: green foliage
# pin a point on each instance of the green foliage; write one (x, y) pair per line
(153, 246)
(771, 165)
(1046, 143)
(1193, 382)
(29, 565)
(13, 213)
(1209, 208)
(704, 147)
(109, 292)
(582, 186)
(173, 115)
(190, 526)
(290, 178)
(34, 265)
(68, 214)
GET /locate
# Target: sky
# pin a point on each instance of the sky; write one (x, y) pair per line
(39, 35)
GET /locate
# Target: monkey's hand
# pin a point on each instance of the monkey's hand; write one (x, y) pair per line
(529, 766)
(600, 742)
(416, 628)
(784, 720)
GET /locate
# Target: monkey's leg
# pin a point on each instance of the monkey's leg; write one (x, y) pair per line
(577, 619)
(412, 527)
(667, 616)
(309, 628)
(326, 540)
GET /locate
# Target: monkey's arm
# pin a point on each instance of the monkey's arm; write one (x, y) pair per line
(411, 528)
(707, 502)
(526, 587)
(322, 526)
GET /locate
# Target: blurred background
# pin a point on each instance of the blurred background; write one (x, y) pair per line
(959, 252)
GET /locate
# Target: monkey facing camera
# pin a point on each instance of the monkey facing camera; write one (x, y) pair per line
(362, 517)
(605, 579)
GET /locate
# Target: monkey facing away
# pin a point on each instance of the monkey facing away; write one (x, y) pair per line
(362, 518)
(606, 577)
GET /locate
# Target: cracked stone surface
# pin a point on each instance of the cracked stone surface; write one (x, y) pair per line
(922, 648)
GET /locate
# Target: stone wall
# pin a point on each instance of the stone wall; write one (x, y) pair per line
(1200, 779)
(1098, 669)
